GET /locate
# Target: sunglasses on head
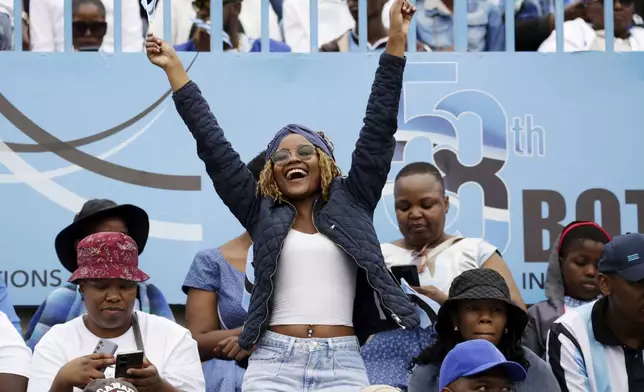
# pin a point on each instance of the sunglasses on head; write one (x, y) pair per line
(303, 152)
(96, 29)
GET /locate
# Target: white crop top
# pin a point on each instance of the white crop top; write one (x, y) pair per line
(315, 282)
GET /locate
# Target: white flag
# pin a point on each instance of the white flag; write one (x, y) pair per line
(150, 8)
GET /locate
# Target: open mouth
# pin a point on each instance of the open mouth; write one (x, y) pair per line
(296, 173)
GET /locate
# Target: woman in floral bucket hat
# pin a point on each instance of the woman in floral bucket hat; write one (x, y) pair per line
(65, 303)
(107, 276)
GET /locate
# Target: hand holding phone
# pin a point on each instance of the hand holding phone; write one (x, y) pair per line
(105, 347)
(81, 371)
(145, 379)
(407, 272)
(432, 293)
(127, 361)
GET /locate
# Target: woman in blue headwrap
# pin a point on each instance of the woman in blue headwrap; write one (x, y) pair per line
(307, 318)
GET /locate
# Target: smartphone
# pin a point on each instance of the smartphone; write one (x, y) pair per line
(407, 272)
(105, 347)
(129, 360)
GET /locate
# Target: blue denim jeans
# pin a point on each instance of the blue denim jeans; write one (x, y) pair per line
(286, 364)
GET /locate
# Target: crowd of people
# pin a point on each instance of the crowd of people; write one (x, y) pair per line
(325, 311)
(289, 25)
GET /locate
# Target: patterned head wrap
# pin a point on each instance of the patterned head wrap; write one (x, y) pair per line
(318, 139)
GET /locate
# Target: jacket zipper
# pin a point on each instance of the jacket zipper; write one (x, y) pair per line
(394, 316)
(270, 294)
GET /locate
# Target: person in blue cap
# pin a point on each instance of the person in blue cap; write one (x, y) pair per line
(477, 365)
(479, 306)
(321, 284)
(598, 347)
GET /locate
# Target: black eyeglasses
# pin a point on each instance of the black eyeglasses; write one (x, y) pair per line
(96, 29)
(303, 151)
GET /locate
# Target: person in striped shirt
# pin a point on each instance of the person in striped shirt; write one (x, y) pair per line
(597, 347)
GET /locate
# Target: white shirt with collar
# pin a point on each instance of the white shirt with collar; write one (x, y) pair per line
(579, 36)
(15, 356)
(47, 30)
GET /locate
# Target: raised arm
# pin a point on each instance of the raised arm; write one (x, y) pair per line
(233, 182)
(371, 159)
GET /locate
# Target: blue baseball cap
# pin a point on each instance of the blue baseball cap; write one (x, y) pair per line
(474, 357)
(624, 255)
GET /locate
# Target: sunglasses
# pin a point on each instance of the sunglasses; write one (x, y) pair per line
(96, 29)
(303, 152)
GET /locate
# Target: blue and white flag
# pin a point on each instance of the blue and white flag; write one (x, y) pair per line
(150, 7)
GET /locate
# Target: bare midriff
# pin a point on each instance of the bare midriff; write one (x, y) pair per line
(313, 331)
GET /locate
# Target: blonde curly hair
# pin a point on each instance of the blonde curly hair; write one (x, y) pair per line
(267, 186)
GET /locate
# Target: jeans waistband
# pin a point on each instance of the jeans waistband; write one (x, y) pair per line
(344, 343)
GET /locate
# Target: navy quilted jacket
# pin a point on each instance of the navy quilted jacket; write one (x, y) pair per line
(346, 218)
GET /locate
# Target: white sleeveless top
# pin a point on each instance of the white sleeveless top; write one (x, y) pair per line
(315, 282)
(466, 254)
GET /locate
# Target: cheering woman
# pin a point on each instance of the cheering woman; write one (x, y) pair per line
(302, 326)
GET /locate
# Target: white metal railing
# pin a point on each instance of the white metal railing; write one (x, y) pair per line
(460, 25)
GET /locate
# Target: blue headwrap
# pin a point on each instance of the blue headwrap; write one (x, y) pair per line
(316, 138)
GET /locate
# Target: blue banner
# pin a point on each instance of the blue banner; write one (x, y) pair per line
(528, 143)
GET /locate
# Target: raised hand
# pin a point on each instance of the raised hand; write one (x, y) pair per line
(400, 16)
(161, 53)
(433, 293)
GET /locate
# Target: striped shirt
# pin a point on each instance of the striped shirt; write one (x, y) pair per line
(586, 356)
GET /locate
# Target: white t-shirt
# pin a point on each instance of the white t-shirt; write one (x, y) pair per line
(14, 353)
(46, 27)
(168, 346)
(466, 254)
(334, 19)
(6, 7)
